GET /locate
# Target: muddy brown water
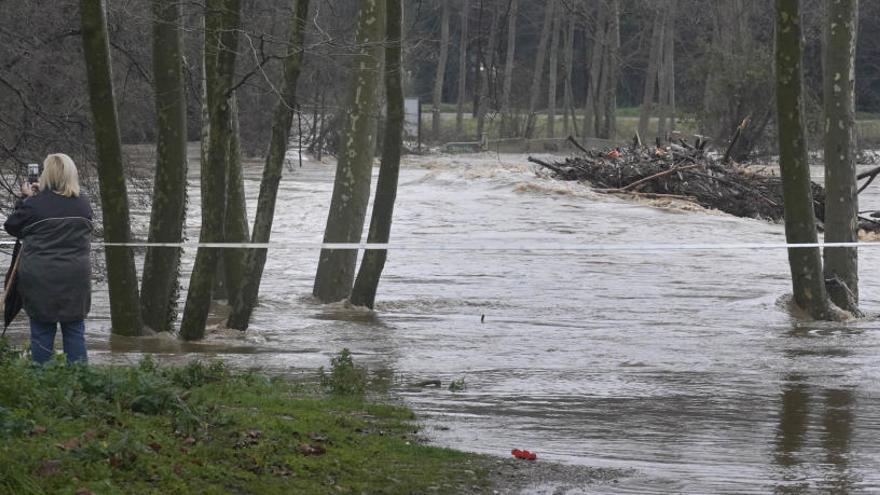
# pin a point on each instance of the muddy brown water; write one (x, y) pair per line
(682, 367)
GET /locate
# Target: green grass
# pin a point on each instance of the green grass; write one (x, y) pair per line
(203, 428)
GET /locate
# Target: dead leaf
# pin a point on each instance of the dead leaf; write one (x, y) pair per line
(254, 434)
(307, 449)
(197, 462)
(155, 447)
(69, 445)
(49, 467)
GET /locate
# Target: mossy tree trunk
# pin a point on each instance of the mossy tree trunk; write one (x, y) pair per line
(373, 262)
(121, 273)
(808, 282)
(841, 186)
(221, 41)
(246, 299)
(440, 77)
(159, 289)
(351, 189)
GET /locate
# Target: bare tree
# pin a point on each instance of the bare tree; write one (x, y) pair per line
(223, 18)
(235, 225)
(666, 76)
(808, 282)
(487, 69)
(159, 289)
(611, 73)
(441, 71)
(512, 14)
(462, 66)
(373, 262)
(841, 186)
(121, 274)
(538, 72)
(657, 39)
(351, 189)
(554, 72)
(243, 305)
(568, 71)
(595, 64)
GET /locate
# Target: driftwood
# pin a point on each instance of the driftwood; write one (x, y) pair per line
(683, 171)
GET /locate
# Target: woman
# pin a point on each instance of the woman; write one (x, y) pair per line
(54, 222)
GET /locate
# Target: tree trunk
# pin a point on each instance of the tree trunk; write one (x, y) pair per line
(489, 67)
(595, 72)
(841, 186)
(364, 291)
(236, 221)
(462, 68)
(538, 72)
(243, 305)
(663, 79)
(351, 190)
(568, 70)
(507, 86)
(611, 71)
(651, 74)
(221, 41)
(670, 67)
(554, 72)
(159, 289)
(121, 274)
(800, 222)
(441, 71)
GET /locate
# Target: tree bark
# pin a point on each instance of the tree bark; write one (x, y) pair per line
(373, 262)
(462, 68)
(554, 73)
(665, 75)
(800, 223)
(611, 71)
(441, 72)
(351, 190)
(651, 74)
(236, 222)
(538, 72)
(841, 186)
(221, 41)
(159, 289)
(121, 274)
(507, 86)
(243, 305)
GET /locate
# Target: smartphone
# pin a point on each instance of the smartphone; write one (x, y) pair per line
(33, 170)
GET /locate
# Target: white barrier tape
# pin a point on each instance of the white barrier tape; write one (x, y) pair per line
(487, 247)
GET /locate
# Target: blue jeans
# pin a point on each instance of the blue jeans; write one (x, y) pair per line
(73, 334)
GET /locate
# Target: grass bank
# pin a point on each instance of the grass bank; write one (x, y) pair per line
(203, 428)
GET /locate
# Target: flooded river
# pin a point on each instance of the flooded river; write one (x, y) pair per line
(681, 366)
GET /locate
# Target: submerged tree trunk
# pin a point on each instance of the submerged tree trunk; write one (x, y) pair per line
(221, 41)
(507, 85)
(841, 186)
(236, 222)
(462, 68)
(351, 189)
(246, 300)
(121, 273)
(538, 72)
(611, 71)
(159, 289)
(800, 222)
(651, 73)
(373, 262)
(554, 72)
(441, 72)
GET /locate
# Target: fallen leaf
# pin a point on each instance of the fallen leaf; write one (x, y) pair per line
(254, 434)
(69, 445)
(155, 446)
(49, 467)
(307, 449)
(197, 462)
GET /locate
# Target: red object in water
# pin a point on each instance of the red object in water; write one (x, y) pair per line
(524, 454)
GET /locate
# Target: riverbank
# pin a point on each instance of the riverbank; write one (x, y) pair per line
(203, 428)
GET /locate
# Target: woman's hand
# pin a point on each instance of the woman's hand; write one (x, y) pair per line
(28, 189)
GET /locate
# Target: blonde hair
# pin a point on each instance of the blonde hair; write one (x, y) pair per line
(60, 175)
